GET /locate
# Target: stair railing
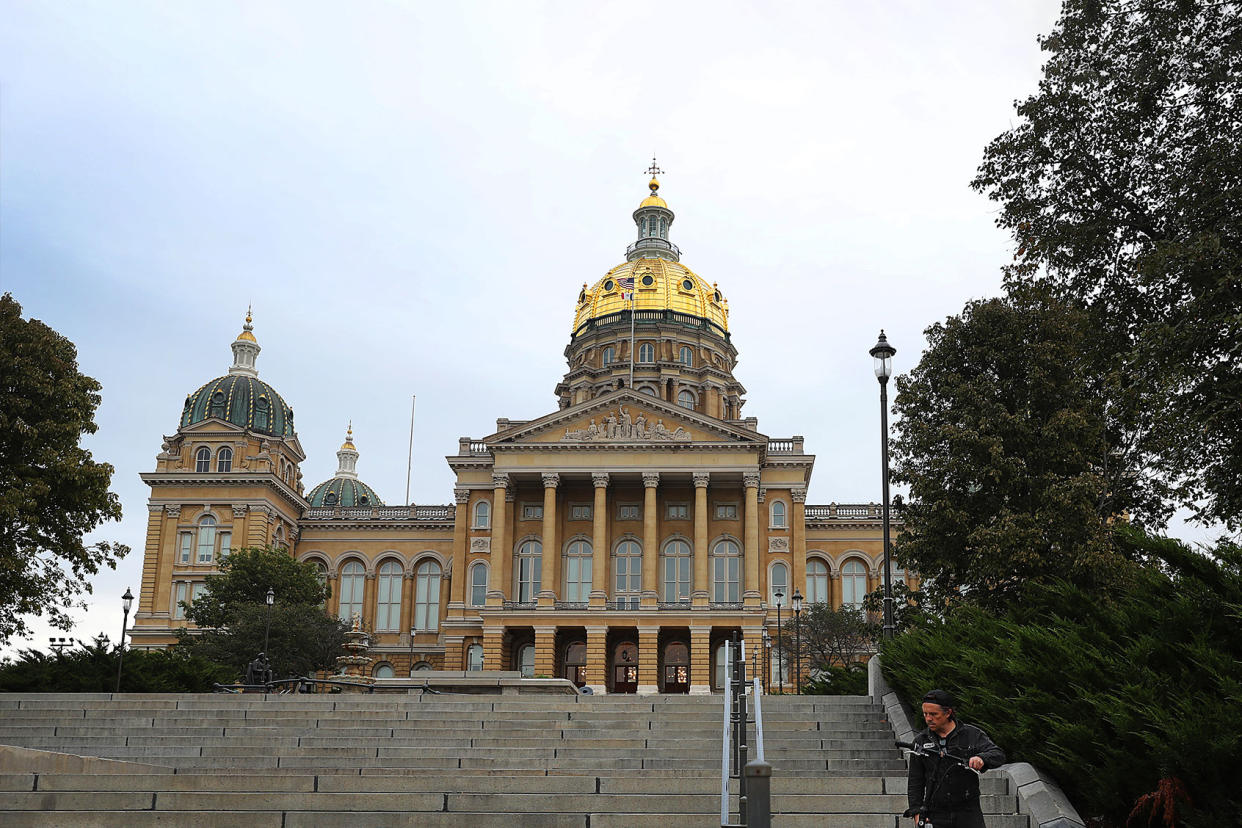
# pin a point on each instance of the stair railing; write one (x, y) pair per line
(754, 778)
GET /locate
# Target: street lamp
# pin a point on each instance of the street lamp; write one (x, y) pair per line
(271, 599)
(127, 601)
(780, 637)
(767, 661)
(883, 353)
(59, 644)
(797, 602)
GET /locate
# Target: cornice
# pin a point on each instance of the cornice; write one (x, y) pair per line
(228, 479)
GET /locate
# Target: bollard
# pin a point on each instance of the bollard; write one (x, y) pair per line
(758, 794)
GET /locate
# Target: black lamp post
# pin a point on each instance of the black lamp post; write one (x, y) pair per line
(59, 644)
(883, 356)
(127, 601)
(797, 604)
(780, 638)
(767, 661)
(271, 599)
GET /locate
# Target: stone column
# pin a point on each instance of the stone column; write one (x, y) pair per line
(700, 586)
(700, 660)
(368, 596)
(597, 659)
(493, 649)
(454, 653)
(752, 561)
(551, 576)
(153, 568)
(834, 588)
(333, 605)
(648, 661)
(461, 523)
(651, 541)
(599, 542)
(407, 600)
(502, 558)
(545, 650)
(797, 539)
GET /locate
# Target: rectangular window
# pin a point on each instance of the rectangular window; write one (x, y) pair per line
(186, 543)
(629, 511)
(532, 511)
(580, 511)
(178, 610)
(677, 511)
(726, 511)
(226, 544)
(197, 589)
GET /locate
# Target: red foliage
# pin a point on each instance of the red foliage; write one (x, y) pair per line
(1160, 804)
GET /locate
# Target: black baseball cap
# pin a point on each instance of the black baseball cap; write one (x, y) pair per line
(940, 697)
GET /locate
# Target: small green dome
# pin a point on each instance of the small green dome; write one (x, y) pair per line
(343, 491)
(243, 401)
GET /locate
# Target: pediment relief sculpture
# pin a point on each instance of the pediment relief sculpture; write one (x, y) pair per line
(620, 426)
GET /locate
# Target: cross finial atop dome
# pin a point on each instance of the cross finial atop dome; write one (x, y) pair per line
(653, 218)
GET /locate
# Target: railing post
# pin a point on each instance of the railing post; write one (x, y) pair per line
(758, 777)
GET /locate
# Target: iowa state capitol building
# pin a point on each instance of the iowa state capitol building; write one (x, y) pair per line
(616, 541)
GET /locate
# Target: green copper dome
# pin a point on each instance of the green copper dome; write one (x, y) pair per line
(243, 401)
(343, 491)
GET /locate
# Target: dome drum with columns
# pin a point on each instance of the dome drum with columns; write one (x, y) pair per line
(616, 541)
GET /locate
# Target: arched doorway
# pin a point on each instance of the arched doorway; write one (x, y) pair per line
(575, 662)
(526, 660)
(625, 668)
(676, 667)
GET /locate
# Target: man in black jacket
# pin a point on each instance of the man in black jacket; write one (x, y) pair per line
(940, 791)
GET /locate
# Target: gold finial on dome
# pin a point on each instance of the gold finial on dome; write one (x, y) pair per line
(247, 328)
(348, 445)
(653, 171)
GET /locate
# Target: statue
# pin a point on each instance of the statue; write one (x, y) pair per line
(259, 671)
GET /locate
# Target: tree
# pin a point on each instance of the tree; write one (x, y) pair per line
(91, 668)
(52, 492)
(824, 637)
(233, 618)
(1001, 441)
(1122, 184)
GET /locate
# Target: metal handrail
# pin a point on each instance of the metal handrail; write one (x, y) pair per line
(725, 741)
(758, 692)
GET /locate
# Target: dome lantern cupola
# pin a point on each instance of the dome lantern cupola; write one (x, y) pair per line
(245, 350)
(653, 219)
(347, 457)
(344, 489)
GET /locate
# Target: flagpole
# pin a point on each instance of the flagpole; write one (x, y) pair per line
(632, 297)
(409, 463)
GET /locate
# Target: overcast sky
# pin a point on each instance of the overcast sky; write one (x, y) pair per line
(411, 195)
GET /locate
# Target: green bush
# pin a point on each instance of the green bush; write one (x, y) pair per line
(92, 668)
(838, 681)
(1117, 692)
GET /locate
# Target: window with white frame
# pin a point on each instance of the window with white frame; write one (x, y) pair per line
(384, 671)
(578, 572)
(898, 573)
(478, 585)
(646, 352)
(629, 511)
(532, 511)
(676, 567)
(529, 570)
(685, 399)
(686, 356)
(353, 581)
(388, 597)
(202, 460)
(226, 544)
(777, 513)
(609, 356)
(197, 588)
(726, 572)
(526, 660)
(474, 657)
(726, 511)
(482, 514)
(187, 544)
(206, 539)
(778, 581)
(580, 511)
(853, 583)
(427, 596)
(677, 511)
(816, 581)
(321, 574)
(627, 571)
(179, 597)
(224, 459)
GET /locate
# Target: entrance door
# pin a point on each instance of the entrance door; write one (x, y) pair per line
(625, 668)
(575, 663)
(676, 668)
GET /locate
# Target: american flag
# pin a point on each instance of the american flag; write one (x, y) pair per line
(626, 283)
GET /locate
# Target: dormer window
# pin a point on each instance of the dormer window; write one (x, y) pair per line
(364, 501)
(686, 357)
(329, 499)
(260, 414)
(202, 460)
(610, 354)
(646, 352)
(224, 460)
(217, 404)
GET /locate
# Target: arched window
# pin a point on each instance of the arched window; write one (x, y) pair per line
(383, 671)
(482, 514)
(648, 390)
(224, 459)
(627, 568)
(427, 596)
(721, 662)
(853, 584)
(202, 460)
(529, 570)
(726, 573)
(898, 573)
(575, 662)
(474, 657)
(217, 404)
(816, 581)
(646, 352)
(578, 572)
(778, 581)
(526, 660)
(353, 581)
(206, 539)
(321, 574)
(610, 354)
(676, 571)
(777, 512)
(421, 667)
(685, 399)
(664, 228)
(260, 413)
(686, 356)
(388, 597)
(478, 585)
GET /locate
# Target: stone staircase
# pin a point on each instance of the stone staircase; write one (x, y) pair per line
(462, 761)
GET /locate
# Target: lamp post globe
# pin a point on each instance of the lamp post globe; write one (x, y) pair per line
(270, 599)
(797, 608)
(780, 650)
(882, 353)
(127, 601)
(767, 661)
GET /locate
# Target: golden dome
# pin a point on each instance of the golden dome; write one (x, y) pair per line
(246, 334)
(653, 200)
(659, 284)
(348, 445)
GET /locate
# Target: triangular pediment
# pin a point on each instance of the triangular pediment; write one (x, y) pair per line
(624, 417)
